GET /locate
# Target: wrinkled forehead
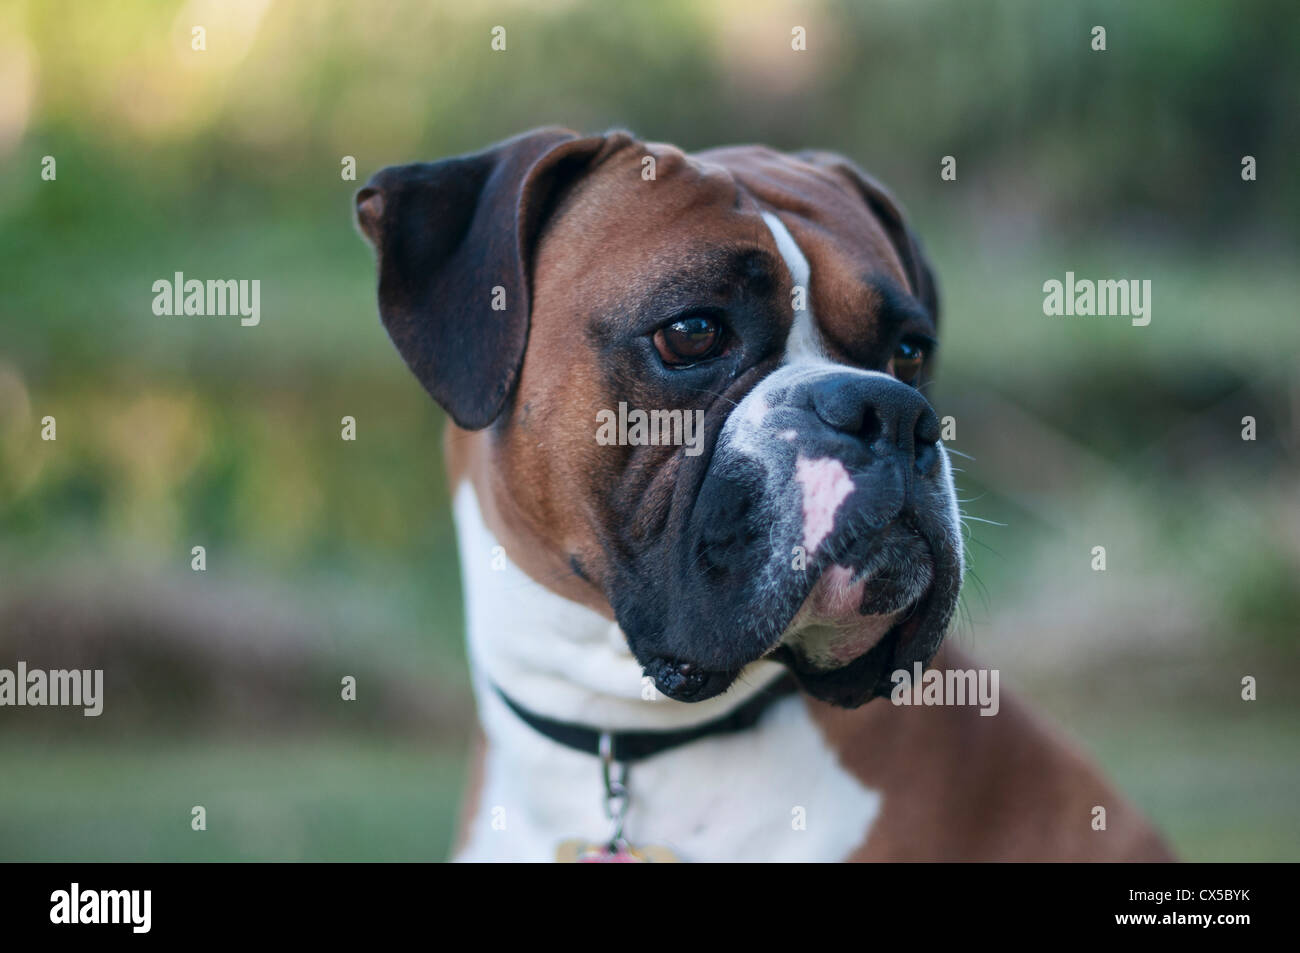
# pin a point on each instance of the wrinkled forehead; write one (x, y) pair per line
(652, 217)
(856, 277)
(827, 217)
(644, 215)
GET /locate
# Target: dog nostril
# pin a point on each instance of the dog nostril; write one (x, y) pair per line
(843, 408)
(927, 428)
(925, 442)
(869, 427)
(888, 417)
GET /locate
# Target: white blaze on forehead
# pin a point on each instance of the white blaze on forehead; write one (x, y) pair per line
(804, 342)
(790, 251)
(825, 485)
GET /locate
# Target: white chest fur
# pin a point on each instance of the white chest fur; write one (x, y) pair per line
(773, 793)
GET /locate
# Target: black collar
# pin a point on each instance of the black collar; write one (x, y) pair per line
(630, 746)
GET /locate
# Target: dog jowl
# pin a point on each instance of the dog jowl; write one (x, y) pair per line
(779, 299)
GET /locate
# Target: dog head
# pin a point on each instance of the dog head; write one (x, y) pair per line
(768, 321)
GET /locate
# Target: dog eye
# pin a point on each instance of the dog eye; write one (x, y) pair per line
(906, 362)
(688, 340)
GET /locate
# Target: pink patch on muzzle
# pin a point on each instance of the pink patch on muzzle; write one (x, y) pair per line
(825, 484)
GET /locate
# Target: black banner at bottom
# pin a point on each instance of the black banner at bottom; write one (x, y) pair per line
(133, 902)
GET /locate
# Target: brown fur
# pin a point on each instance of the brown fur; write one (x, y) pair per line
(959, 786)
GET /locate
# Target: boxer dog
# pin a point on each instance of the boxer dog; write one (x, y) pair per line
(691, 656)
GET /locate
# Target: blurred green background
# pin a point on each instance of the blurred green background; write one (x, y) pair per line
(328, 558)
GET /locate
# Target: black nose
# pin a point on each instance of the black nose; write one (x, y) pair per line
(880, 411)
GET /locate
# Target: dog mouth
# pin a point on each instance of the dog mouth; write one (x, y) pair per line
(872, 589)
(864, 657)
(850, 669)
(875, 606)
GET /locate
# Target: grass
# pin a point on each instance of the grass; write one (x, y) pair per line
(286, 799)
(1219, 783)
(1221, 788)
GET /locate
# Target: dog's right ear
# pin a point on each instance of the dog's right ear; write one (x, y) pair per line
(455, 239)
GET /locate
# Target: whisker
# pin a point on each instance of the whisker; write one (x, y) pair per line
(977, 519)
(713, 393)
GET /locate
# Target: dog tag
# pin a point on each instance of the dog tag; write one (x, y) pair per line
(619, 852)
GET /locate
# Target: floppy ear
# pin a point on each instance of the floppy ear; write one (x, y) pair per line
(455, 239)
(887, 211)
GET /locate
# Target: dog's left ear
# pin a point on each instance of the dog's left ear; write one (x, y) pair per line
(455, 240)
(888, 212)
